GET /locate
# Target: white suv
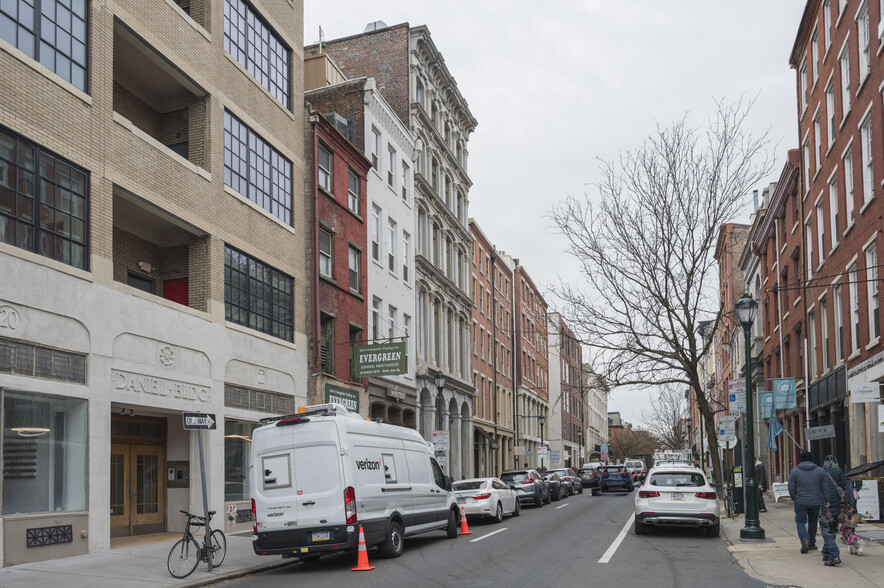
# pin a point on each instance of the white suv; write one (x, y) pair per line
(677, 495)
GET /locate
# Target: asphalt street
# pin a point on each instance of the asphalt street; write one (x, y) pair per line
(582, 541)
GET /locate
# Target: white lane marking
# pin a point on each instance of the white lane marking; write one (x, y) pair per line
(563, 506)
(613, 548)
(488, 535)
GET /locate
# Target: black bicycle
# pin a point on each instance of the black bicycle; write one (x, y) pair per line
(187, 552)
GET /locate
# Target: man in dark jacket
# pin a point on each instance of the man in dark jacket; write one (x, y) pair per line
(761, 480)
(807, 489)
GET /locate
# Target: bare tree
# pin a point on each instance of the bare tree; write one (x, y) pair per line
(665, 419)
(629, 442)
(645, 250)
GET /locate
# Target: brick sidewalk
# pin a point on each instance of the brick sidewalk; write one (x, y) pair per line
(778, 561)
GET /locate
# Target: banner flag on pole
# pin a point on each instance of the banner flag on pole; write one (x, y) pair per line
(774, 429)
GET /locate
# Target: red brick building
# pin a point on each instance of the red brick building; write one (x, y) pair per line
(339, 312)
(839, 69)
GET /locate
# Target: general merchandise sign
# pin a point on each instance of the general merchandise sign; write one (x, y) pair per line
(380, 359)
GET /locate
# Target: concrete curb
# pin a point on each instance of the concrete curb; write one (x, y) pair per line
(239, 573)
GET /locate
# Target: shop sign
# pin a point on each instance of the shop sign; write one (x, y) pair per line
(780, 490)
(816, 433)
(865, 392)
(397, 394)
(784, 393)
(555, 456)
(349, 398)
(736, 395)
(442, 439)
(380, 359)
(867, 503)
(766, 404)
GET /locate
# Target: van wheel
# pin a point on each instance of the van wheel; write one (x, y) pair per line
(452, 525)
(498, 515)
(393, 542)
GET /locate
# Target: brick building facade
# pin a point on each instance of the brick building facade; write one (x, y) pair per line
(566, 393)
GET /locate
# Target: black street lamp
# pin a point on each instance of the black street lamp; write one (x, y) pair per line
(440, 386)
(687, 423)
(746, 309)
(541, 419)
(578, 459)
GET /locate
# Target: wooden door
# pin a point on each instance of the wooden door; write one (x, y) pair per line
(120, 489)
(138, 489)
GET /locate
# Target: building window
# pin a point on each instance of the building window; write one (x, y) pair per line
(419, 91)
(391, 166)
(813, 349)
(820, 230)
(353, 192)
(391, 245)
(827, 23)
(844, 61)
(43, 202)
(258, 296)
(257, 48)
(806, 166)
(375, 319)
(824, 338)
(818, 143)
(405, 176)
(237, 445)
(815, 55)
(54, 30)
(375, 233)
(391, 331)
(44, 453)
(326, 169)
(862, 26)
(831, 128)
(872, 285)
(354, 270)
(833, 211)
(327, 343)
(868, 181)
(854, 308)
(375, 147)
(802, 79)
(140, 282)
(837, 313)
(326, 252)
(848, 186)
(406, 253)
(809, 233)
(256, 170)
(434, 175)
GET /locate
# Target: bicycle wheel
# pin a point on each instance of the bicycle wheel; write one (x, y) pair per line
(219, 547)
(183, 558)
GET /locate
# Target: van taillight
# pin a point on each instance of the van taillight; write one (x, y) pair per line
(350, 505)
(254, 518)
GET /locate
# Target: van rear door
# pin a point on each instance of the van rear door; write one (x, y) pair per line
(320, 494)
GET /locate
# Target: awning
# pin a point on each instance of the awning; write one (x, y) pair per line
(859, 470)
(491, 442)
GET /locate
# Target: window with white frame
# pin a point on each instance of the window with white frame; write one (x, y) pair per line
(844, 62)
(354, 271)
(818, 143)
(854, 308)
(848, 187)
(375, 319)
(827, 23)
(391, 245)
(820, 230)
(809, 233)
(325, 168)
(391, 332)
(811, 320)
(872, 286)
(391, 166)
(405, 177)
(325, 252)
(868, 181)
(353, 192)
(406, 253)
(375, 233)
(806, 166)
(862, 28)
(815, 55)
(824, 333)
(802, 80)
(830, 112)
(837, 314)
(375, 148)
(419, 91)
(842, 4)
(833, 211)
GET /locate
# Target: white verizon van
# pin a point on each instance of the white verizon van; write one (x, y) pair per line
(319, 475)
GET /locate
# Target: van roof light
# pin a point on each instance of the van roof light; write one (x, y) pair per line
(330, 408)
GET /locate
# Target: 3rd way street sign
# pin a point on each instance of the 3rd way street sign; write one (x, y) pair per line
(194, 421)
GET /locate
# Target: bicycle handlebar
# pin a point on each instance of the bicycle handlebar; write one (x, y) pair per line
(193, 516)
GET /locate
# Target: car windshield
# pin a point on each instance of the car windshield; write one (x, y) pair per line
(471, 485)
(587, 471)
(560, 472)
(689, 479)
(514, 476)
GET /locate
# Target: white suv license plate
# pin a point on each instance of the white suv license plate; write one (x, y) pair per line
(321, 535)
(676, 496)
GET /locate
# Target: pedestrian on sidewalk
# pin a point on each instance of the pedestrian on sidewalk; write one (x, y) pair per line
(807, 489)
(761, 479)
(832, 512)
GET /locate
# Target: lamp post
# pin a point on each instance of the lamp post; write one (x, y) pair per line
(440, 386)
(541, 419)
(687, 423)
(746, 309)
(579, 459)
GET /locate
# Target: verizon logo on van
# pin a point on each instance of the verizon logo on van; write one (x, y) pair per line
(367, 464)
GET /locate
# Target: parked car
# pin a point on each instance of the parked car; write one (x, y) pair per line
(590, 478)
(486, 497)
(677, 495)
(529, 486)
(570, 480)
(557, 489)
(616, 477)
(637, 469)
(596, 465)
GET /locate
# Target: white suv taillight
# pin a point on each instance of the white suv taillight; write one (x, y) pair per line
(254, 519)
(350, 505)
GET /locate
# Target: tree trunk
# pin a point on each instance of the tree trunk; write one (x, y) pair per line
(709, 418)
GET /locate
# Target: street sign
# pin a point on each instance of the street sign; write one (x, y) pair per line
(604, 449)
(196, 421)
(442, 439)
(604, 457)
(727, 429)
(865, 392)
(823, 432)
(519, 450)
(736, 395)
(555, 456)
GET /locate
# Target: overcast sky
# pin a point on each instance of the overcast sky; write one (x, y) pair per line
(556, 88)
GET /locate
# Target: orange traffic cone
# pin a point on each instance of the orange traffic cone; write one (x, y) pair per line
(464, 530)
(362, 562)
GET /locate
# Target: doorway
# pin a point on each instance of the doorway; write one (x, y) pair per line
(137, 483)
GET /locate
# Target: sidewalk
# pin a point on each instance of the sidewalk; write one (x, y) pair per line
(138, 566)
(778, 560)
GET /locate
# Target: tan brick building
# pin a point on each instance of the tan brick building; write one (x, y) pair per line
(152, 245)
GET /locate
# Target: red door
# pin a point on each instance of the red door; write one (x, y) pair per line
(176, 291)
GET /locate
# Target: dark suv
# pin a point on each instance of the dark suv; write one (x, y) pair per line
(616, 477)
(590, 478)
(529, 486)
